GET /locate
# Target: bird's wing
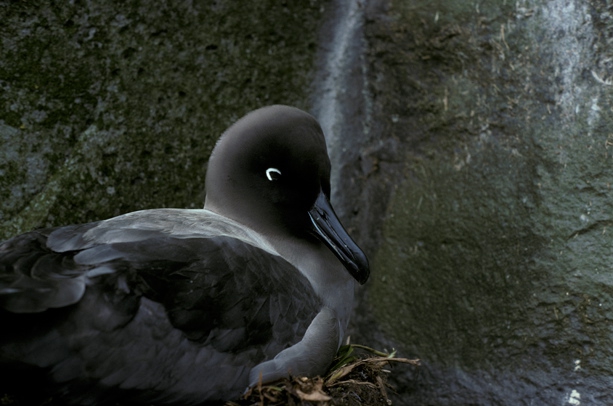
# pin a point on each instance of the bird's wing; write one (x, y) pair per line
(34, 278)
(219, 291)
(209, 306)
(99, 305)
(216, 289)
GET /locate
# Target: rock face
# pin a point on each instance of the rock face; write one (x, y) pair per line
(472, 144)
(110, 107)
(490, 159)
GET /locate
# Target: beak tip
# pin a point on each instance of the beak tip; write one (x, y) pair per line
(362, 273)
(328, 228)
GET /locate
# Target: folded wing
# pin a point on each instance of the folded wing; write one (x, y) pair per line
(198, 312)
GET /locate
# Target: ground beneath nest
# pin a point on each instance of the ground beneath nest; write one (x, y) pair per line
(353, 381)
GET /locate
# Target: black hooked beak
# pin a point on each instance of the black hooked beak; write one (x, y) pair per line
(329, 229)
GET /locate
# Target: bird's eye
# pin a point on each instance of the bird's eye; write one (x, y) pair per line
(273, 174)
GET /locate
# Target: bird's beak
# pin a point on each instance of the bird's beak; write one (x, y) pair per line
(329, 229)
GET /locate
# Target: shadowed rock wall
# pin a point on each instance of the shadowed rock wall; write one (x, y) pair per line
(108, 106)
(493, 142)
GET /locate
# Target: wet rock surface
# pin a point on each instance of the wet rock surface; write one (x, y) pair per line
(490, 160)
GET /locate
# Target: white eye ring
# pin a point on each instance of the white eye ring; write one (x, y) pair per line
(269, 171)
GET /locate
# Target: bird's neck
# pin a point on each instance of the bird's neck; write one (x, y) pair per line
(329, 278)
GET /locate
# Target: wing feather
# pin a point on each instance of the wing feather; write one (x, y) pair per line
(33, 278)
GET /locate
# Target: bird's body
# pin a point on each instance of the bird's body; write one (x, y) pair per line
(173, 306)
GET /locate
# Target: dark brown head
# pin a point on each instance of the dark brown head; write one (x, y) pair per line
(269, 170)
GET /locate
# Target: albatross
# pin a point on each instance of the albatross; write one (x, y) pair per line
(189, 307)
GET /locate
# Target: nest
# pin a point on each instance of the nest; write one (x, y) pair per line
(352, 381)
